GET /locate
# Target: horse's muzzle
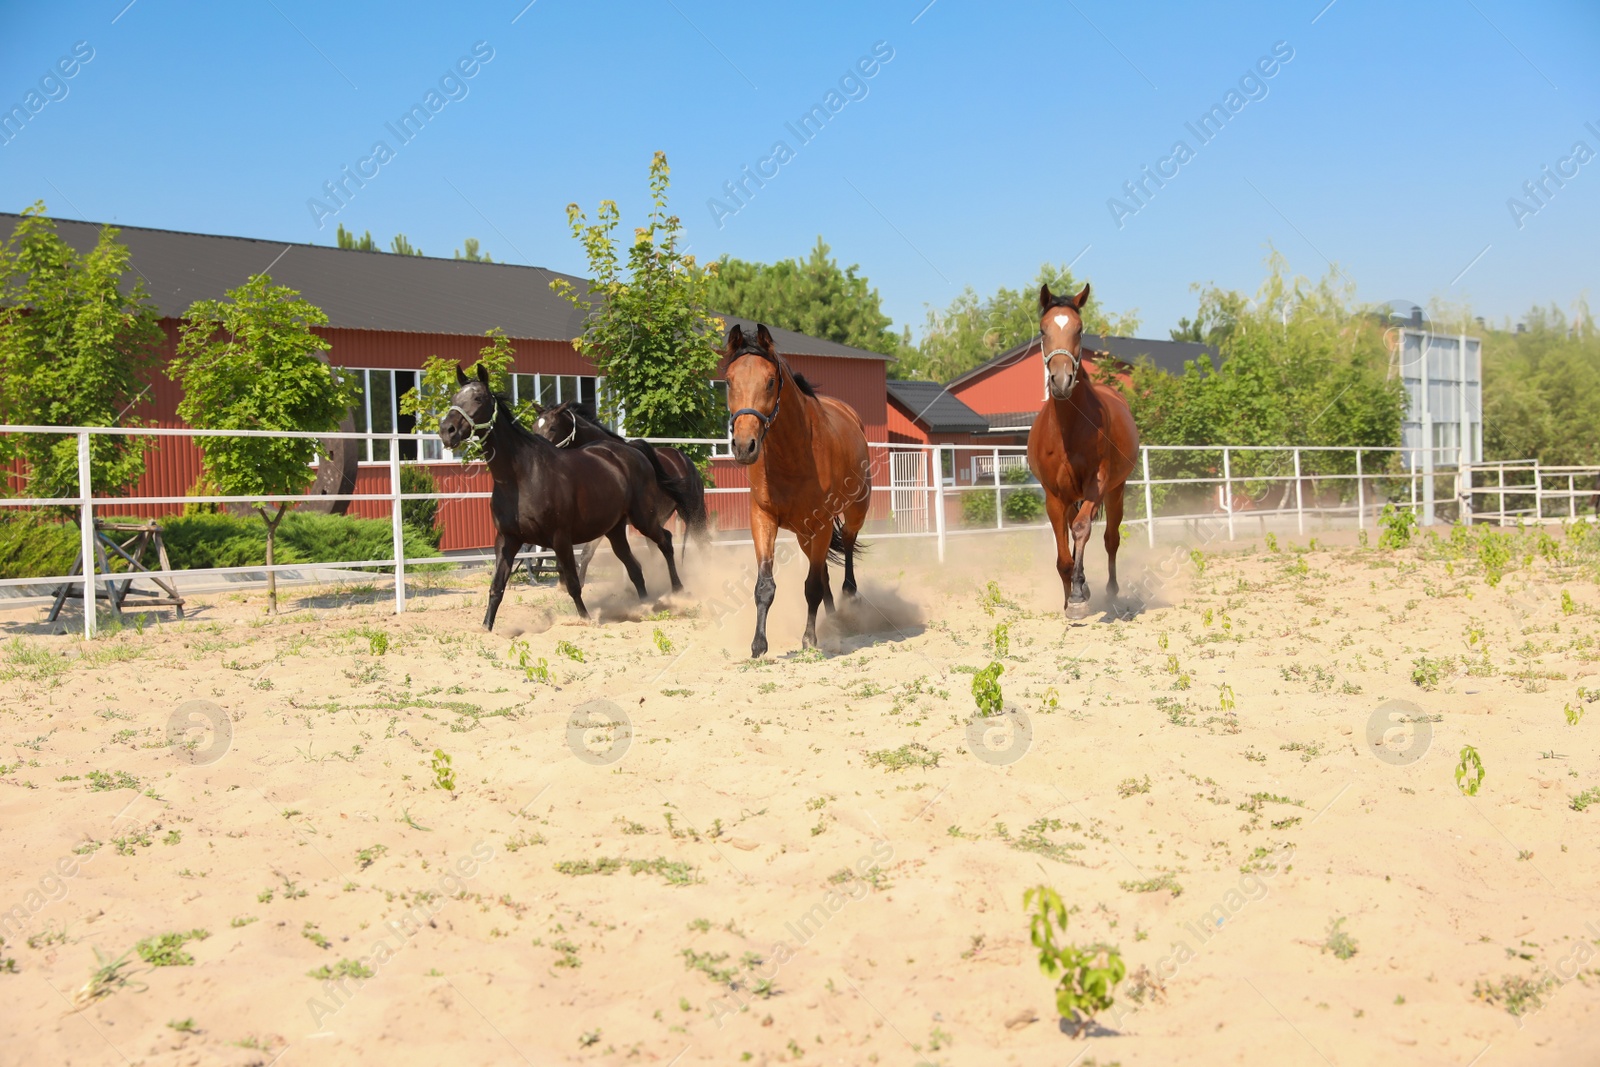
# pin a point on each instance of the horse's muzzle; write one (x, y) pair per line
(745, 449)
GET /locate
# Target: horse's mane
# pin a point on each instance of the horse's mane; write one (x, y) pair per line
(593, 419)
(507, 407)
(778, 361)
(805, 386)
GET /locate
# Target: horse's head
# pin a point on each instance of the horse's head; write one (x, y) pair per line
(755, 389)
(1061, 333)
(472, 410)
(558, 425)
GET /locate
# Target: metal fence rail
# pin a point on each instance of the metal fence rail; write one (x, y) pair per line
(916, 488)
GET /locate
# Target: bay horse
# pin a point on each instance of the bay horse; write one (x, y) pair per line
(568, 426)
(1081, 448)
(554, 498)
(809, 471)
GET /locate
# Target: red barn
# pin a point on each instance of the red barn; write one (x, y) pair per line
(386, 315)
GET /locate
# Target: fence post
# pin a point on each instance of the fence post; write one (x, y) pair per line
(1299, 503)
(1572, 497)
(398, 525)
(1149, 512)
(86, 535)
(938, 495)
(1361, 495)
(1501, 472)
(1538, 495)
(998, 524)
(1227, 489)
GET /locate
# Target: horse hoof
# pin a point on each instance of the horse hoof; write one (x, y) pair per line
(758, 648)
(1078, 610)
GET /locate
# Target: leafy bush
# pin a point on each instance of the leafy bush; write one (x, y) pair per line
(977, 508)
(420, 515)
(1398, 526)
(1085, 977)
(35, 545)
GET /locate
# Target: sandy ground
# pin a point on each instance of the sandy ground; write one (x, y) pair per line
(805, 859)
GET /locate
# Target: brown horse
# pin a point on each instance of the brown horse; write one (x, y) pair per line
(555, 498)
(809, 471)
(568, 426)
(1081, 448)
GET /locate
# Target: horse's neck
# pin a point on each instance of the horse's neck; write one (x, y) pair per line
(791, 430)
(504, 447)
(1082, 404)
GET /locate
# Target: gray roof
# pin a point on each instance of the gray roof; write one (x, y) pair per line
(370, 290)
(1167, 356)
(932, 405)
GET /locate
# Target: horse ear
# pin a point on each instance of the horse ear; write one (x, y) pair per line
(735, 338)
(1045, 299)
(483, 374)
(461, 379)
(1082, 298)
(765, 337)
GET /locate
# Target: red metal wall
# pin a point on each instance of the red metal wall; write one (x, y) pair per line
(1018, 386)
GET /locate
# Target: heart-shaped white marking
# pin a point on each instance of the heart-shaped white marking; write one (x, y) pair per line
(1062, 320)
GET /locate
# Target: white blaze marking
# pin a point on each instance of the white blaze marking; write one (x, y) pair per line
(1062, 320)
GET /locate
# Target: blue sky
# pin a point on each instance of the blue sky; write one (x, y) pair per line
(992, 140)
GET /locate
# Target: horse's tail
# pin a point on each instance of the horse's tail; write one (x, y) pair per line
(836, 544)
(687, 492)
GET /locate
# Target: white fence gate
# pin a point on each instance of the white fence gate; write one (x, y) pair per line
(908, 490)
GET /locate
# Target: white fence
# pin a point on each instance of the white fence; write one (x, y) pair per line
(920, 483)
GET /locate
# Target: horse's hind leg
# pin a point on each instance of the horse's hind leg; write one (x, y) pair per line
(619, 544)
(1113, 538)
(816, 586)
(567, 567)
(663, 539)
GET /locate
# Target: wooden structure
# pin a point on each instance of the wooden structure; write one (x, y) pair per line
(115, 587)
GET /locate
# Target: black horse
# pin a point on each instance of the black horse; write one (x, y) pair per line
(554, 498)
(568, 426)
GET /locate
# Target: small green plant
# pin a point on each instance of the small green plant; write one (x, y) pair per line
(663, 642)
(986, 689)
(1398, 525)
(569, 650)
(1427, 673)
(1516, 994)
(378, 642)
(342, 969)
(166, 950)
(1338, 941)
(184, 1026)
(1574, 715)
(1567, 606)
(1198, 558)
(1272, 542)
(106, 977)
(310, 932)
(1586, 799)
(443, 777)
(366, 857)
(1494, 552)
(898, 759)
(1165, 880)
(1086, 977)
(1469, 771)
(1225, 696)
(537, 670)
(1001, 640)
(1131, 786)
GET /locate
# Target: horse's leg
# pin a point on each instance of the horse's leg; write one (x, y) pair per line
(764, 532)
(1113, 539)
(585, 555)
(505, 550)
(567, 567)
(816, 586)
(1055, 510)
(618, 536)
(1078, 602)
(663, 539)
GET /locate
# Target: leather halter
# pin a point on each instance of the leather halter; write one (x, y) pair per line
(1077, 357)
(567, 440)
(477, 427)
(764, 419)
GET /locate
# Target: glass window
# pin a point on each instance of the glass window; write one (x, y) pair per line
(524, 387)
(380, 410)
(547, 391)
(359, 411)
(569, 387)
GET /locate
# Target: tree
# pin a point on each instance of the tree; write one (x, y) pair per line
(429, 401)
(252, 362)
(364, 243)
(812, 296)
(646, 328)
(974, 329)
(74, 351)
(471, 253)
(400, 246)
(1541, 387)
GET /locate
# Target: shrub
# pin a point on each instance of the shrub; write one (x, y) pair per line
(977, 508)
(420, 515)
(1085, 977)
(1398, 526)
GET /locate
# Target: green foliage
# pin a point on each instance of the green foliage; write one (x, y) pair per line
(1085, 977)
(569, 650)
(346, 239)
(646, 328)
(1469, 771)
(812, 296)
(400, 246)
(977, 508)
(1516, 994)
(469, 252)
(437, 384)
(986, 689)
(252, 362)
(421, 516)
(1338, 941)
(1586, 799)
(536, 669)
(443, 777)
(74, 348)
(1318, 376)
(974, 329)
(342, 969)
(1494, 552)
(1398, 524)
(1000, 640)
(1427, 673)
(1541, 388)
(166, 950)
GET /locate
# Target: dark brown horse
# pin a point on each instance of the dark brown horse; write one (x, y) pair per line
(567, 426)
(809, 471)
(553, 498)
(1081, 448)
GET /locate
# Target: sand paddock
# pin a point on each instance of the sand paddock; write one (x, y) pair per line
(804, 859)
